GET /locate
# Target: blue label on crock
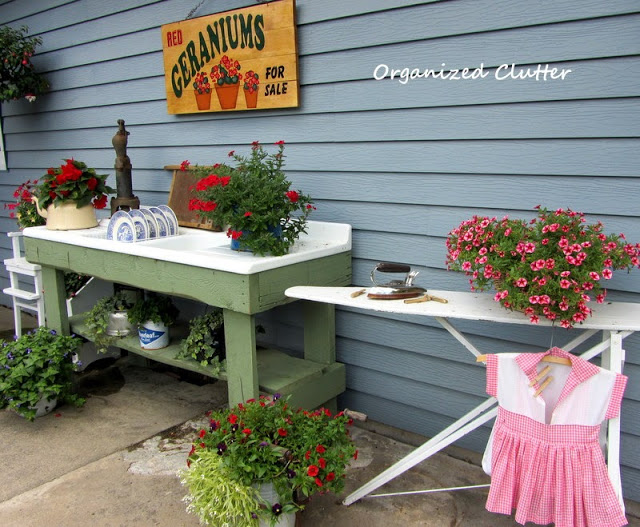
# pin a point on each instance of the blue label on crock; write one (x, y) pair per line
(147, 336)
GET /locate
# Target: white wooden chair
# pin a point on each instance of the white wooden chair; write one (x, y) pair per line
(22, 298)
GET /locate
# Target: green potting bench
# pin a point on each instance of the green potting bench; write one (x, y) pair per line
(199, 265)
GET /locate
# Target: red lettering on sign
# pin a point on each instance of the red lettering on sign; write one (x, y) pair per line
(174, 37)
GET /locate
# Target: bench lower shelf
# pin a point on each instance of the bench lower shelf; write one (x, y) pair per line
(309, 383)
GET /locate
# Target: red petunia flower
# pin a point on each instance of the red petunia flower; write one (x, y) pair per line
(319, 482)
(313, 471)
(282, 432)
(100, 202)
(330, 476)
(293, 196)
(92, 183)
(203, 433)
(184, 165)
(233, 419)
(246, 431)
(320, 449)
(322, 463)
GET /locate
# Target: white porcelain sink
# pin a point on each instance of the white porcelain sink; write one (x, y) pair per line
(208, 249)
(188, 242)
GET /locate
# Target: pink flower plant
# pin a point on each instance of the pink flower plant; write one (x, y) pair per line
(552, 267)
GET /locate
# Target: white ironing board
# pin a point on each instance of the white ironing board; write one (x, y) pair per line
(617, 320)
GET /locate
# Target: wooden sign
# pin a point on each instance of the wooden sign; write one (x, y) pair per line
(179, 196)
(245, 59)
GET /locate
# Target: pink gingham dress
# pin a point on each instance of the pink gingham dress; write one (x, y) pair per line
(544, 454)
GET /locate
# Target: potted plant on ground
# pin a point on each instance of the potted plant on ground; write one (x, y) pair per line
(68, 196)
(551, 267)
(108, 320)
(255, 199)
(205, 342)
(36, 372)
(153, 315)
(18, 77)
(257, 460)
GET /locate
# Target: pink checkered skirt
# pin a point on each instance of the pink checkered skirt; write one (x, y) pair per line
(551, 474)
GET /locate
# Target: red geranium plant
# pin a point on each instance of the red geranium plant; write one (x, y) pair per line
(254, 199)
(73, 181)
(226, 72)
(251, 81)
(551, 267)
(24, 209)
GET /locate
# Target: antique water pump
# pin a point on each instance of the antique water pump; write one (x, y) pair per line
(124, 200)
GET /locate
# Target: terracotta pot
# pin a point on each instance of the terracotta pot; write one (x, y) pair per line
(251, 98)
(203, 100)
(227, 95)
(67, 216)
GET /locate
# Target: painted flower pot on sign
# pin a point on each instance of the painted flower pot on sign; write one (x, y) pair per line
(227, 95)
(203, 100)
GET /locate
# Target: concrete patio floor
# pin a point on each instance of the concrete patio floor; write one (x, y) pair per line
(114, 461)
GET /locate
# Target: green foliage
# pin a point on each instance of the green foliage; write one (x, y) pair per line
(18, 78)
(97, 320)
(73, 282)
(266, 441)
(205, 342)
(156, 308)
(37, 365)
(254, 199)
(215, 497)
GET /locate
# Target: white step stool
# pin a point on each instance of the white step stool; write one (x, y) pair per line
(22, 299)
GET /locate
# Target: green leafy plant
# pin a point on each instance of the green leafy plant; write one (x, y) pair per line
(255, 199)
(37, 365)
(156, 308)
(97, 319)
(267, 441)
(205, 342)
(215, 497)
(73, 181)
(550, 267)
(18, 77)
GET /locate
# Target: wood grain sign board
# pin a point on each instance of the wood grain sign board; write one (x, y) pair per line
(258, 40)
(179, 196)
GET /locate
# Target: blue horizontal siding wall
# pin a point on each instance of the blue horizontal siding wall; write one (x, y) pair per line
(402, 163)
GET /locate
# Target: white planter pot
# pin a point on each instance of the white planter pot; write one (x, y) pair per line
(269, 494)
(45, 406)
(153, 336)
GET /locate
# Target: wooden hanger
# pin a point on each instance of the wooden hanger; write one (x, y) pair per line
(546, 358)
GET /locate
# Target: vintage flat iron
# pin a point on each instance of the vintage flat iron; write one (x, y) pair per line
(394, 289)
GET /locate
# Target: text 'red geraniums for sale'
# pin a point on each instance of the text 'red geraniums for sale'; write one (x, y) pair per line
(254, 199)
(265, 441)
(73, 181)
(552, 267)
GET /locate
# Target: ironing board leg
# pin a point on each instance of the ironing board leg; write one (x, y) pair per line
(461, 427)
(613, 360)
